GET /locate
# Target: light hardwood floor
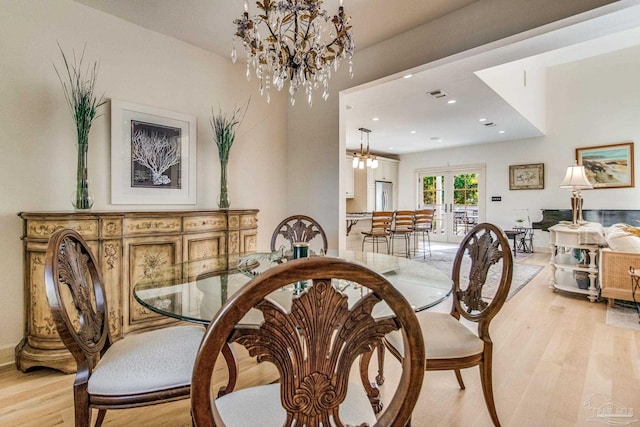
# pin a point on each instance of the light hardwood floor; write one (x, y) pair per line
(552, 352)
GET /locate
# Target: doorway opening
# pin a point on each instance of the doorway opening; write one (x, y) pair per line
(456, 195)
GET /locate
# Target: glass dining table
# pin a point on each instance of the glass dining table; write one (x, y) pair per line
(194, 291)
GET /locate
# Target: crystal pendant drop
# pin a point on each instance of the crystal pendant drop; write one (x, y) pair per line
(234, 54)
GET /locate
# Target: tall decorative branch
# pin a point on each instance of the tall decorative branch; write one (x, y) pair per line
(79, 92)
(224, 132)
(156, 152)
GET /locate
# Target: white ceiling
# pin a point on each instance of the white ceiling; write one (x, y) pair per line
(209, 23)
(402, 105)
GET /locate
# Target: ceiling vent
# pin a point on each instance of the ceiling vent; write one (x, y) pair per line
(437, 94)
(489, 125)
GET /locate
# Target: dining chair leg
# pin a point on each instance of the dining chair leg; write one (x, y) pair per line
(100, 418)
(487, 389)
(459, 378)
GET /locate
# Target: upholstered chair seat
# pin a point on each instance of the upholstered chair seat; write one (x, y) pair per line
(260, 406)
(444, 336)
(132, 366)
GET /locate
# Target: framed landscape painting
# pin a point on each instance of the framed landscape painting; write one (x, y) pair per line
(608, 166)
(153, 155)
(526, 177)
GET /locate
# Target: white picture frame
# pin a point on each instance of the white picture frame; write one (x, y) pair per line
(153, 155)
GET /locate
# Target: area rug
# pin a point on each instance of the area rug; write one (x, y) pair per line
(623, 315)
(522, 273)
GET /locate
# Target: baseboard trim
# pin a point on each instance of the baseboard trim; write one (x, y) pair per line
(7, 356)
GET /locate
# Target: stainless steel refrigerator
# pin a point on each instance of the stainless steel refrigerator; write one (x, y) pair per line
(384, 196)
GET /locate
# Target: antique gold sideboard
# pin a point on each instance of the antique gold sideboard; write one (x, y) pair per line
(129, 246)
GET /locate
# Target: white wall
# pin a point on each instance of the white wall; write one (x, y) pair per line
(37, 145)
(589, 102)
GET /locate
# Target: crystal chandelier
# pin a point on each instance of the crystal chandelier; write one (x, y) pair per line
(293, 47)
(364, 158)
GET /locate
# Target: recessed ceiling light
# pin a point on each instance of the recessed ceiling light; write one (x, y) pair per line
(500, 131)
(375, 119)
(451, 101)
(482, 120)
(413, 131)
(390, 148)
(440, 140)
(407, 76)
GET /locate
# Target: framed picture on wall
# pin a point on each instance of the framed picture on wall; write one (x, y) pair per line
(526, 177)
(153, 155)
(608, 166)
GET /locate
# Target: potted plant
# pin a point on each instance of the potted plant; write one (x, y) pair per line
(224, 134)
(79, 91)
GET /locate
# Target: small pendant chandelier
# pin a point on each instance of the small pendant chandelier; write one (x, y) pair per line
(362, 159)
(295, 45)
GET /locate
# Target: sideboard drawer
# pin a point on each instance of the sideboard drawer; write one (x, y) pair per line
(196, 224)
(43, 229)
(142, 226)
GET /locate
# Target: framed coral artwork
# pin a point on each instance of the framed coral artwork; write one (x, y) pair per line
(608, 166)
(153, 155)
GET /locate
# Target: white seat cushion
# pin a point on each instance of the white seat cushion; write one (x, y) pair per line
(156, 360)
(261, 406)
(444, 337)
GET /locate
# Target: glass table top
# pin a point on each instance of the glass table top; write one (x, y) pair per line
(195, 290)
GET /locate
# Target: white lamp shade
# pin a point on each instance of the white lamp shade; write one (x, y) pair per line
(576, 178)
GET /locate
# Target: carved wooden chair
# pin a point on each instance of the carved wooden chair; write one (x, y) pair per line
(453, 346)
(313, 345)
(299, 228)
(402, 229)
(138, 370)
(422, 227)
(380, 230)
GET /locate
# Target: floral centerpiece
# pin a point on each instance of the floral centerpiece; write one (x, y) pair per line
(224, 132)
(79, 91)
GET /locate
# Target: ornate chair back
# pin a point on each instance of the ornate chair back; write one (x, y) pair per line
(489, 259)
(313, 345)
(299, 228)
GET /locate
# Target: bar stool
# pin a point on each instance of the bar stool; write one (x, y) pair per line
(422, 227)
(402, 228)
(380, 230)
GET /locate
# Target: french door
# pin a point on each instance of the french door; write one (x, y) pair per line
(456, 195)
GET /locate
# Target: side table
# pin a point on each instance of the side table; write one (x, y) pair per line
(514, 234)
(574, 258)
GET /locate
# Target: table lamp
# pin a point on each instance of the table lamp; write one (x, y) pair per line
(576, 180)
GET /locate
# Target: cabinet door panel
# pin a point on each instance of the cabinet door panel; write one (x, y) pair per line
(204, 245)
(147, 259)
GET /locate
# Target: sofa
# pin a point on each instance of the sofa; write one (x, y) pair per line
(623, 251)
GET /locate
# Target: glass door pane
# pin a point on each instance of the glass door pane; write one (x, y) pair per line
(455, 196)
(433, 196)
(465, 202)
